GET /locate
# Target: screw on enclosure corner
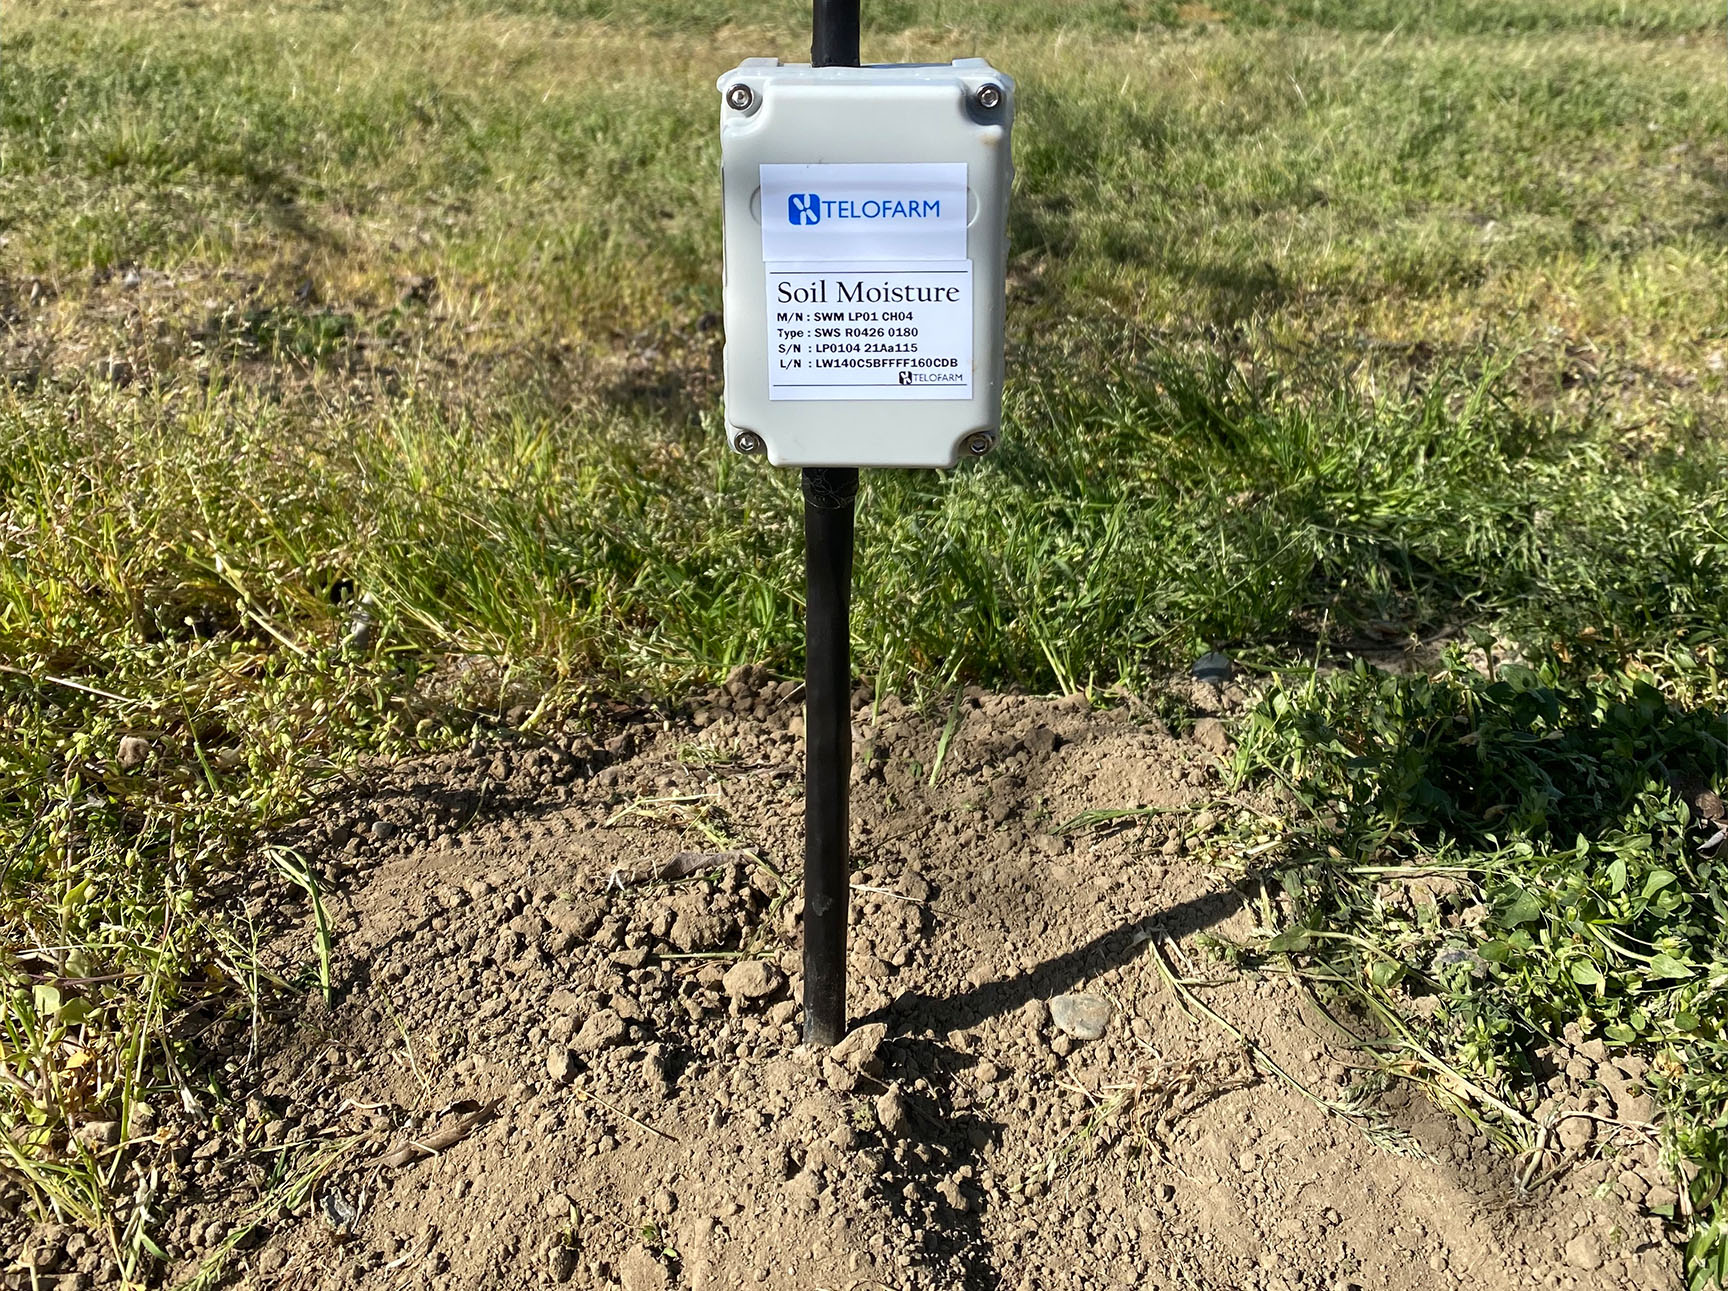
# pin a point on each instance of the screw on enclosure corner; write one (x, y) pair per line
(747, 441)
(980, 444)
(988, 97)
(739, 98)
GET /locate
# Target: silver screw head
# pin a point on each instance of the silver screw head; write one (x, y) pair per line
(979, 444)
(989, 97)
(747, 441)
(739, 97)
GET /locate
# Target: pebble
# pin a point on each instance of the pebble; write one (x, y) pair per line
(804, 1188)
(561, 1065)
(98, 1134)
(1636, 1107)
(44, 1249)
(842, 1080)
(1212, 667)
(752, 979)
(1633, 1186)
(1040, 740)
(1080, 1015)
(561, 1263)
(893, 1115)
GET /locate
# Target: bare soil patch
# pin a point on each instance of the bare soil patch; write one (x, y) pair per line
(547, 1063)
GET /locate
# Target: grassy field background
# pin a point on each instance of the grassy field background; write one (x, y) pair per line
(358, 392)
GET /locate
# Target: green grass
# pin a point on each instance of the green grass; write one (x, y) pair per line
(1581, 889)
(1328, 320)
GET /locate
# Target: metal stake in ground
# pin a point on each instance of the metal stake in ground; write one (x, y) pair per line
(829, 496)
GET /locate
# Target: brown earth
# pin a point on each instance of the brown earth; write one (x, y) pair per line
(549, 1063)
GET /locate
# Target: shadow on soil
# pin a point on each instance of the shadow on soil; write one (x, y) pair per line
(950, 1137)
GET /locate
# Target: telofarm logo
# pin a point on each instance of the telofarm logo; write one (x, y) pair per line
(813, 208)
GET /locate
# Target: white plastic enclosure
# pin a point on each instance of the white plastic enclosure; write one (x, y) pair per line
(866, 243)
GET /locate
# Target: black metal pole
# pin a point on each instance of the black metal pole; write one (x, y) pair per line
(829, 494)
(834, 33)
(829, 497)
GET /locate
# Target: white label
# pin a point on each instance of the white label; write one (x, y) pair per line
(870, 332)
(856, 211)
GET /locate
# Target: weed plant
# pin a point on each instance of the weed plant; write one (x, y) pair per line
(1558, 810)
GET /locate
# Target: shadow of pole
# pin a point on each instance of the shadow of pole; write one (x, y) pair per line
(952, 1134)
(944, 1013)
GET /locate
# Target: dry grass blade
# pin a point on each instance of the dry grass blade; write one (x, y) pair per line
(590, 1097)
(1104, 817)
(290, 1195)
(1142, 1109)
(454, 1130)
(1375, 1128)
(683, 865)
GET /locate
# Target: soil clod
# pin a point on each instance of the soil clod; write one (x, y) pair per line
(753, 979)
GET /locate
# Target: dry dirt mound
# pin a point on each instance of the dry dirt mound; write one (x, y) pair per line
(550, 1062)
